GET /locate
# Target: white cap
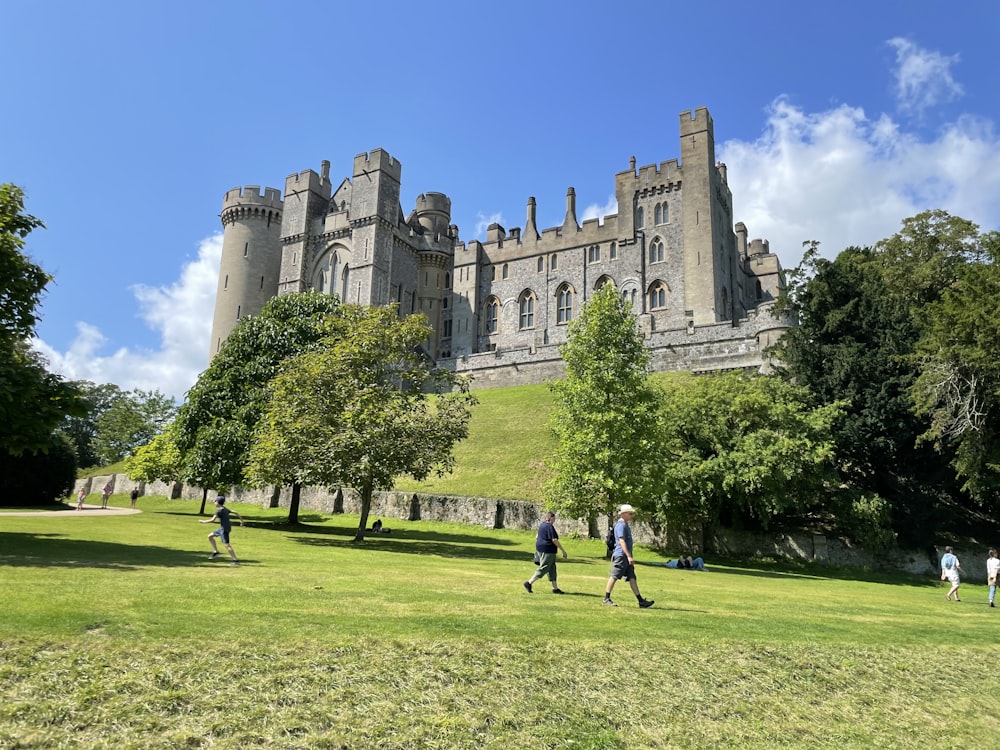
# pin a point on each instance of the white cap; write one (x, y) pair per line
(626, 509)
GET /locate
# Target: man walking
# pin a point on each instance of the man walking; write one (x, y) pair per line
(221, 515)
(546, 545)
(622, 562)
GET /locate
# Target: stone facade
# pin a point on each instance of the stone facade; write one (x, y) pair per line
(702, 291)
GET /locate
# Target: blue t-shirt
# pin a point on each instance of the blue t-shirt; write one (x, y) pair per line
(622, 531)
(546, 533)
(949, 561)
(223, 515)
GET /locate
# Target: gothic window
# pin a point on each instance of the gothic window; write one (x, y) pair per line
(639, 220)
(444, 302)
(541, 265)
(447, 281)
(656, 252)
(554, 263)
(564, 304)
(657, 296)
(760, 291)
(506, 270)
(493, 273)
(526, 310)
(344, 281)
(446, 333)
(657, 214)
(613, 251)
(594, 254)
(491, 316)
(603, 282)
(666, 214)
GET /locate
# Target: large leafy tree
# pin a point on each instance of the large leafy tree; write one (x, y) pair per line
(742, 449)
(33, 401)
(81, 429)
(605, 415)
(958, 356)
(132, 419)
(216, 425)
(355, 410)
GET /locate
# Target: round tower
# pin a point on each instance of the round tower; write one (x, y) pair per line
(251, 257)
(434, 213)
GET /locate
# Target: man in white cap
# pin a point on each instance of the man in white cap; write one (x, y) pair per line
(622, 562)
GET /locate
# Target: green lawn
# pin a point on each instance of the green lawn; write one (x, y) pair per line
(119, 632)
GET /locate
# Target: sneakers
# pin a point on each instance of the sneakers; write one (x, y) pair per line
(237, 562)
(558, 591)
(991, 602)
(608, 603)
(213, 555)
(527, 587)
(646, 603)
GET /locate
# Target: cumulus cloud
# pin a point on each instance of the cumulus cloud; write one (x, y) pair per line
(595, 211)
(180, 313)
(843, 178)
(923, 77)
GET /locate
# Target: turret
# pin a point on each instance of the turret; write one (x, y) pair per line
(251, 257)
(434, 213)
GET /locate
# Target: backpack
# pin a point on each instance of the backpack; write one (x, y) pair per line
(610, 542)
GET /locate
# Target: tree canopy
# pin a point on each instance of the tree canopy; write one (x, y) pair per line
(605, 414)
(354, 410)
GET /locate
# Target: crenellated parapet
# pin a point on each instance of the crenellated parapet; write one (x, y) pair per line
(250, 202)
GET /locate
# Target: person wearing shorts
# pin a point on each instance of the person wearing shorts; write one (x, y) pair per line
(622, 562)
(951, 570)
(222, 516)
(547, 544)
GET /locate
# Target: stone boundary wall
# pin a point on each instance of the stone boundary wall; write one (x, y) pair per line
(493, 513)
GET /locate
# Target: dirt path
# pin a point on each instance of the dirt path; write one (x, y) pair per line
(69, 509)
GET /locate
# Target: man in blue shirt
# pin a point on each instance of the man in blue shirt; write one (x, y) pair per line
(546, 545)
(622, 562)
(225, 526)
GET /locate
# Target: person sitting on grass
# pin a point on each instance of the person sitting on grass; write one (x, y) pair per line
(688, 563)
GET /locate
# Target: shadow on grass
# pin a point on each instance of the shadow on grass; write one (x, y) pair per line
(430, 543)
(806, 571)
(407, 535)
(21, 550)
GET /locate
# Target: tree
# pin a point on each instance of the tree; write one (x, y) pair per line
(742, 449)
(355, 411)
(82, 429)
(38, 478)
(157, 460)
(216, 425)
(133, 419)
(604, 415)
(32, 400)
(958, 357)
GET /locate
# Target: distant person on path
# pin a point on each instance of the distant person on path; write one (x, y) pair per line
(105, 494)
(221, 515)
(134, 496)
(547, 544)
(622, 562)
(80, 497)
(951, 570)
(992, 569)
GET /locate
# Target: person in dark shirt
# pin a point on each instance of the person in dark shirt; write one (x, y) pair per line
(547, 545)
(221, 515)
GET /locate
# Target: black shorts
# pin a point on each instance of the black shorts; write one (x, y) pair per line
(622, 568)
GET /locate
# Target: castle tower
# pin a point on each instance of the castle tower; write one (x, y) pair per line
(251, 257)
(307, 199)
(436, 264)
(375, 215)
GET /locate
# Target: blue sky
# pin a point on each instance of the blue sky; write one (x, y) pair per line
(126, 122)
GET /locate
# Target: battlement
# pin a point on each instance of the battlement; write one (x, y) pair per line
(251, 195)
(699, 122)
(434, 212)
(434, 202)
(377, 160)
(307, 180)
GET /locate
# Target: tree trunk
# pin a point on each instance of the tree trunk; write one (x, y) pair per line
(366, 506)
(293, 504)
(204, 497)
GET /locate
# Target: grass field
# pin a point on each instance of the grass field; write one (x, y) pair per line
(117, 631)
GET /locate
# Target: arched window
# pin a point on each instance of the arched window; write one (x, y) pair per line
(656, 251)
(665, 218)
(493, 273)
(657, 295)
(506, 270)
(657, 214)
(760, 290)
(526, 310)
(613, 251)
(491, 316)
(602, 282)
(344, 281)
(325, 274)
(639, 220)
(564, 304)
(594, 254)
(554, 263)
(541, 265)
(447, 281)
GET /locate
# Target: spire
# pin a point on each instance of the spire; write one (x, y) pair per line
(530, 228)
(570, 209)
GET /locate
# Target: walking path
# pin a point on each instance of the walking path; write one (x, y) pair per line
(70, 510)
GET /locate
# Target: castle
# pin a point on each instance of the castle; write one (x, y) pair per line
(499, 309)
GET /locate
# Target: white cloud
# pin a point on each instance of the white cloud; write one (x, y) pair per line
(923, 77)
(845, 179)
(181, 313)
(483, 223)
(594, 211)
